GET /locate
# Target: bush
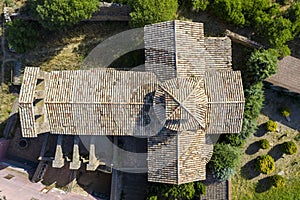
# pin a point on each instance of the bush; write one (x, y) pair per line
(289, 147)
(151, 11)
(277, 180)
(264, 144)
(224, 174)
(169, 191)
(265, 164)
(230, 10)
(22, 35)
(56, 14)
(286, 112)
(200, 189)
(297, 138)
(261, 65)
(271, 126)
(234, 140)
(224, 160)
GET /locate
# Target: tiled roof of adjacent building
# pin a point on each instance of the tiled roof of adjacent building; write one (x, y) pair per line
(187, 91)
(288, 74)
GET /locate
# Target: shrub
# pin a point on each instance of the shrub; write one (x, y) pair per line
(286, 112)
(254, 98)
(297, 138)
(55, 14)
(151, 11)
(264, 144)
(261, 65)
(230, 10)
(277, 180)
(234, 140)
(223, 174)
(224, 160)
(265, 164)
(289, 147)
(200, 189)
(170, 191)
(271, 126)
(22, 35)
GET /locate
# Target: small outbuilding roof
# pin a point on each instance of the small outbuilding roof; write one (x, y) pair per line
(288, 74)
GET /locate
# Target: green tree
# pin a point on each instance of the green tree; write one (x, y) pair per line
(152, 11)
(200, 188)
(261, 65)
(265, 164)
(22, 35)
(224, 160)
(293, 14)
(55, 14)
(230, 10)
(199, 5)
(255, 8)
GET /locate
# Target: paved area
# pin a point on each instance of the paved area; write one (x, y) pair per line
(15, 185)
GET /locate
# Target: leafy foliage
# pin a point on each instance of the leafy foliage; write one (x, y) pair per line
(200, 4)
(234, 140)
(264, 143)
(224, 160)
(286, 112)
(230, 10)
(293, 15)
(200, 189)
(56, 14)
(277, 180)
(168, 191)
(271, 126)
(265, 164)
(289, 147)
(254, 98)
(261, 65)
(22, 35)
(151, 11)
(252, 9)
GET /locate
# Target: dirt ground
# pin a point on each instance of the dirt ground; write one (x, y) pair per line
(286, 165)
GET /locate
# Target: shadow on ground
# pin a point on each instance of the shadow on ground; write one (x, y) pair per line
(261, 131)
(248, 170)
(253, 148)
(275, 152)
(263, 185)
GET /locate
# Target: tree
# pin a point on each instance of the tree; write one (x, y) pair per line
(254, 8)
(224, 160)
(265, 164)
(200, 4)
(200, 188)
(293, 14)
(22, 35)
(289, 147)
(261, 65)
(56, 14)
(230, 10)
(151, 11)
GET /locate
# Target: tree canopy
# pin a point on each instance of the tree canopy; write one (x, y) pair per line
(224, 160)
(22, 35)
(152, 11)
(261, 65)
(55, 14)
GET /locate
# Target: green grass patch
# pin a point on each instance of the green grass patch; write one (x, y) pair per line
(248, 191)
